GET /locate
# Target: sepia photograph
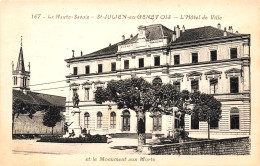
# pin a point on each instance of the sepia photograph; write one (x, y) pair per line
(134, 83)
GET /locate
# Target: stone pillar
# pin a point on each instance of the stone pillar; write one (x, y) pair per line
(75, 118)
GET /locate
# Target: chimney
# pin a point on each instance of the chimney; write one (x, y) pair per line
(231, 29)
(73, 53)
(177, 31)
(131, 36)
(123, 37)
(174, 36)
(219, 26)
(81, 53)
(109, 44)
(183, 28)
(225, 31)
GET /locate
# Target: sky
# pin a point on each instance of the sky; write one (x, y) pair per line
(47, 42)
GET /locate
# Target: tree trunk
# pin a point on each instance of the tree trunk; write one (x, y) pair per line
(141, 130)
(51, 130)
(208, 129)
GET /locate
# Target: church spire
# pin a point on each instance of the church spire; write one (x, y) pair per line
(20, 62)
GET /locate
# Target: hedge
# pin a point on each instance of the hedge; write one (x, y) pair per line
(88, 139)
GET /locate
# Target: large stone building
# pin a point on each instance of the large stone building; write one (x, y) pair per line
(23, 124)
(212, 60)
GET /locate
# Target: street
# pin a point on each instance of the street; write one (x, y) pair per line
(117, 146)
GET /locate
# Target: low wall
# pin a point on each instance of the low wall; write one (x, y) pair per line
(233, 146)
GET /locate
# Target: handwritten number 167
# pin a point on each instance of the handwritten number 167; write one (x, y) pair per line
(36, 16)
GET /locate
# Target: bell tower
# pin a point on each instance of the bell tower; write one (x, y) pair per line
(21, 77)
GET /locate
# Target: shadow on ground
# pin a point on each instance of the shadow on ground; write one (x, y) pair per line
(124, 147)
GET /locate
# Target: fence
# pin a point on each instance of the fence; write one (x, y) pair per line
(233, 146)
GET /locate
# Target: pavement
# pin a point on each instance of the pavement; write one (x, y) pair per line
(117, 146)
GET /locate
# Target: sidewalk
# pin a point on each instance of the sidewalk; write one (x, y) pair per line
(118, 146)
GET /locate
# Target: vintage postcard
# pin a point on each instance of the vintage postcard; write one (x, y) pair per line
(129, 82)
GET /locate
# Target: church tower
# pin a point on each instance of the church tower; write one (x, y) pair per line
(21, 78)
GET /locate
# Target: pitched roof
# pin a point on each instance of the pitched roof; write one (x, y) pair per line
(201, 33)
(38, 98)
(20, 62)
(158, 31)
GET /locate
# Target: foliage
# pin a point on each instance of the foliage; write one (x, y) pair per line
(52, 116)
(137, 93)
(89, 139)
(206, 107)
(181, 134)
(20, 107)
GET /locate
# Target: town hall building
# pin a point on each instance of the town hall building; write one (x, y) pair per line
(207, 59)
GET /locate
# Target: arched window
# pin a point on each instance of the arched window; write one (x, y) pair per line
(157, 123)
(112, 120)
(15, 80)
(157, 81)
(99, 120)
(234, 118)
(86, 120)
(126, 120)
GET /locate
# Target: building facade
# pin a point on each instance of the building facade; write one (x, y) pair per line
(207, 59)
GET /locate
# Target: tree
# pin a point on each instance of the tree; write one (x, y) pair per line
(140, 96)
(52, 116)
(21, 107)
(207, 108)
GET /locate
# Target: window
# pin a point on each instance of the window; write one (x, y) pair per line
(157, 81)
(213, 55)
(100, 68)
(75, 71)
(75, 91)
(86, 120)
(194, 85)
(213, 86)
(177, 85)
(15, 80)
(87, 69)
(112, 120)
(176, 59)
(157, 123)
(126, 120)
(194, 57)
(233, 53)
(141, 62)
(113, 66)
(86, 97)
(24, 81)
(194, 122)
(99, 120)
(214, 124)
(233, 84)
(126, 64)
(234, 118)
(157, 61)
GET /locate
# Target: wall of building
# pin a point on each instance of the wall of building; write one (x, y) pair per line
(26, 125)
(166, 71)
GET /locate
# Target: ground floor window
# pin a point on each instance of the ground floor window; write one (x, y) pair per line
(214, 124)
(112, 120)
(157, 123)
(126, 120)
(234, 118)
(194, 122)
(99, 120)
(86, 120)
